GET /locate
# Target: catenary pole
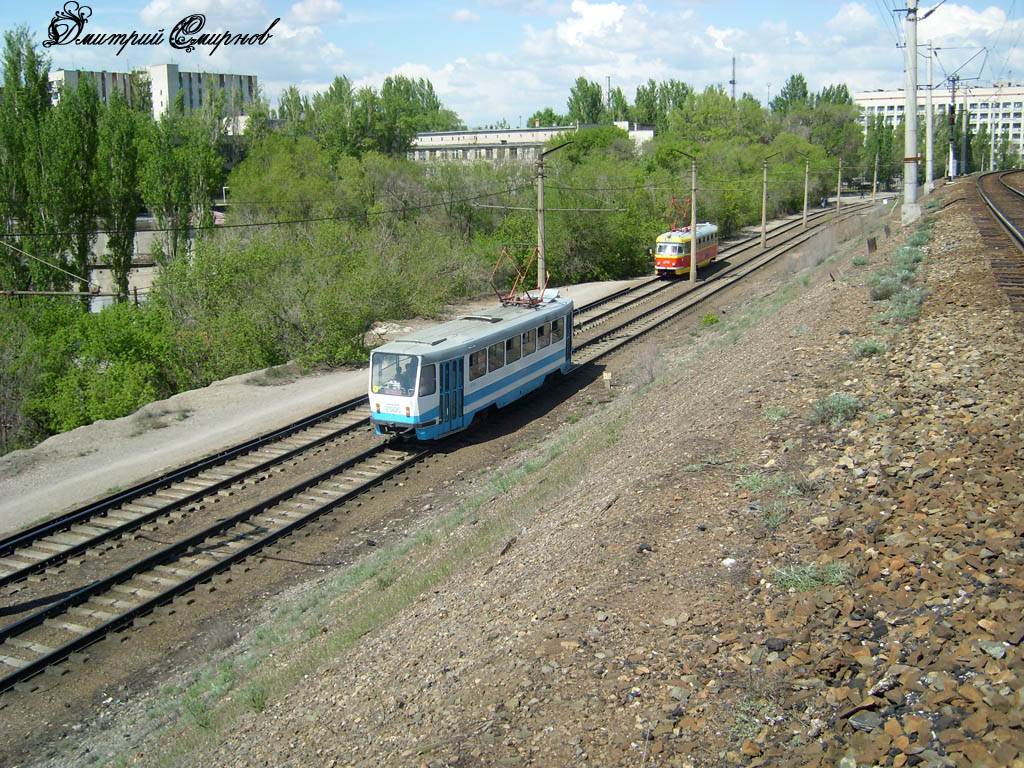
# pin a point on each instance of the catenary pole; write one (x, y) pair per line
(874, 181)
(542, 275)
(929, 172)
(839, 185)
(911, 208)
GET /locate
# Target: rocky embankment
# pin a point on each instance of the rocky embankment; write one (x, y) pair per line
(713, 580)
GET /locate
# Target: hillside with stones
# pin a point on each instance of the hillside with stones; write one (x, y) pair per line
(703, 565)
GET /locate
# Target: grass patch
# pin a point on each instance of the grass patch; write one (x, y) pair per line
(156, 417)
(921, 237)
(774, 414)
(906, 305)
(775, 514)
(708, 461)
(752, 714)
(709, 319)
(835, 410)
(807, 578)
(869, 348)
(860, 261)
(275, 376)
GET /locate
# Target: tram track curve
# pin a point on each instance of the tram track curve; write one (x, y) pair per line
(1004, 202)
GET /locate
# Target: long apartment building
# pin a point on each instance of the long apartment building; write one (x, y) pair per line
(497, 145)
(165, 82)
(1000, 109)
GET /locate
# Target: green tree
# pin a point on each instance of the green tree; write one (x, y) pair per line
(68, 183)
(546, 117)
(793, 94)
(24, 103)
(117, 173)
(585, 102)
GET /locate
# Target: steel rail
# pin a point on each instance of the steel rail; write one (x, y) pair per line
(27, 538)
(734, 250)
(997, 212)
(182, 547)
(690, 299)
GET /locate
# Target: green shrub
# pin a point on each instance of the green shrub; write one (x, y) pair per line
(884, 288)
(835, 409)
(709, 319)
(868, 348)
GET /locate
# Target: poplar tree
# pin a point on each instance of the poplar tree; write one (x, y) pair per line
(117, 173)
(24, 101)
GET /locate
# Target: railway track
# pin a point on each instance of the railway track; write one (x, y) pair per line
(70, 625)
(670, 297)
(70, 622)
(47, 544)
(999, 211)
(599, 311)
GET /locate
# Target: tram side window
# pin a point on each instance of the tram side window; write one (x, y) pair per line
(529, 342)
(477, 364)
(495, 356)
(557, 328)
(543, 336)
(512, 349)
(428, 380)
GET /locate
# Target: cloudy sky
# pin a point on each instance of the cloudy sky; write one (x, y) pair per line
(503, 59)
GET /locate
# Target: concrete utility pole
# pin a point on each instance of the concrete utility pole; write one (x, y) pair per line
(733, 81)
(952, 126)
(874, 181)
(807, 179)
(963, 136)
(693, 215)
(929, 174)
(764, 202)
(542, 274)
(839, 186)
(911, 208)
(807, 185)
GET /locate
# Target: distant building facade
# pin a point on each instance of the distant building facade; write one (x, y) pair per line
(497, 145)
(999, 109)
(165, 82)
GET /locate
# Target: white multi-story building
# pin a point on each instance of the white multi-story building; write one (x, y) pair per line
(999, 109)
(165, 81)
(502, 144)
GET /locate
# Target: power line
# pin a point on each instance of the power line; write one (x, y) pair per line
(210, 227)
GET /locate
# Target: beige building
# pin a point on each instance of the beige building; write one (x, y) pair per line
(498, 145)
(999, 109)
(165, 82)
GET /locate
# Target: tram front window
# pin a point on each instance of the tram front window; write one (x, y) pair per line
(393, 374)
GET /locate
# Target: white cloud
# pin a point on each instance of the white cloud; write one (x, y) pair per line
(465, 16)
(223, 14)
(854, 24)
(316, 12)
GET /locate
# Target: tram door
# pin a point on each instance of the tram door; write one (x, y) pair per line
(451, 372)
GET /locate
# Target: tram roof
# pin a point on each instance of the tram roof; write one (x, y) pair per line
(704, 228)
(474, 330)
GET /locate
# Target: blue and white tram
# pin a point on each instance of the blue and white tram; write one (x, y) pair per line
(436, 380)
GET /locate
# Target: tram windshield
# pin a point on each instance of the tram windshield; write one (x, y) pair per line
(393, 374)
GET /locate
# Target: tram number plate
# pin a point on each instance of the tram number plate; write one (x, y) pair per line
(392, 408)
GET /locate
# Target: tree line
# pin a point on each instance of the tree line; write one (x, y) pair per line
(331, 229)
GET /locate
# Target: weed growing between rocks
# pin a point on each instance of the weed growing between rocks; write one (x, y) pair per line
(807, 578)
(835, 410)
(869, 348)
